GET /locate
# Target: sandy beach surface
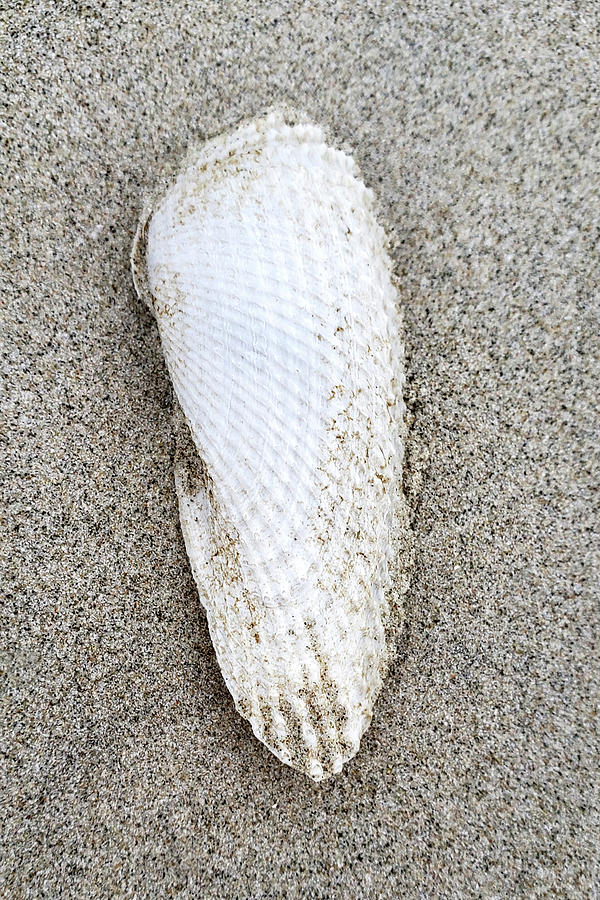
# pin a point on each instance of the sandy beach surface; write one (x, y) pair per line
(126, 771)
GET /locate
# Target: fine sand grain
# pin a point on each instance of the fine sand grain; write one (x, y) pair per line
(127, 771)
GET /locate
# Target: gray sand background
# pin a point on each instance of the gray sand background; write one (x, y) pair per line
(127, 771)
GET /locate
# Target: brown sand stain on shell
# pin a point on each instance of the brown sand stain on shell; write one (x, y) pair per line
(187, 458)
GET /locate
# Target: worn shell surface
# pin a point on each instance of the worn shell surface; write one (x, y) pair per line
(269, 281)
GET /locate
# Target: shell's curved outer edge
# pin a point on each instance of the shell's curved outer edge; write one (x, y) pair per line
(139, 270)
(206, 527)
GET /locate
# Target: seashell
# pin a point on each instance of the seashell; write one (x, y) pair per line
(271, 287)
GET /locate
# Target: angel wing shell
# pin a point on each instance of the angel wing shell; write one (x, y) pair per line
(271, 287)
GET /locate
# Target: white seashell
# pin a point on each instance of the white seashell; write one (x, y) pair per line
(271, 287)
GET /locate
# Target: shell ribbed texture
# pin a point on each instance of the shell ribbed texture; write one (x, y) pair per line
(273, 297)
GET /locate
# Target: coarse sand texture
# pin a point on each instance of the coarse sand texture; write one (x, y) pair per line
(127, 770)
